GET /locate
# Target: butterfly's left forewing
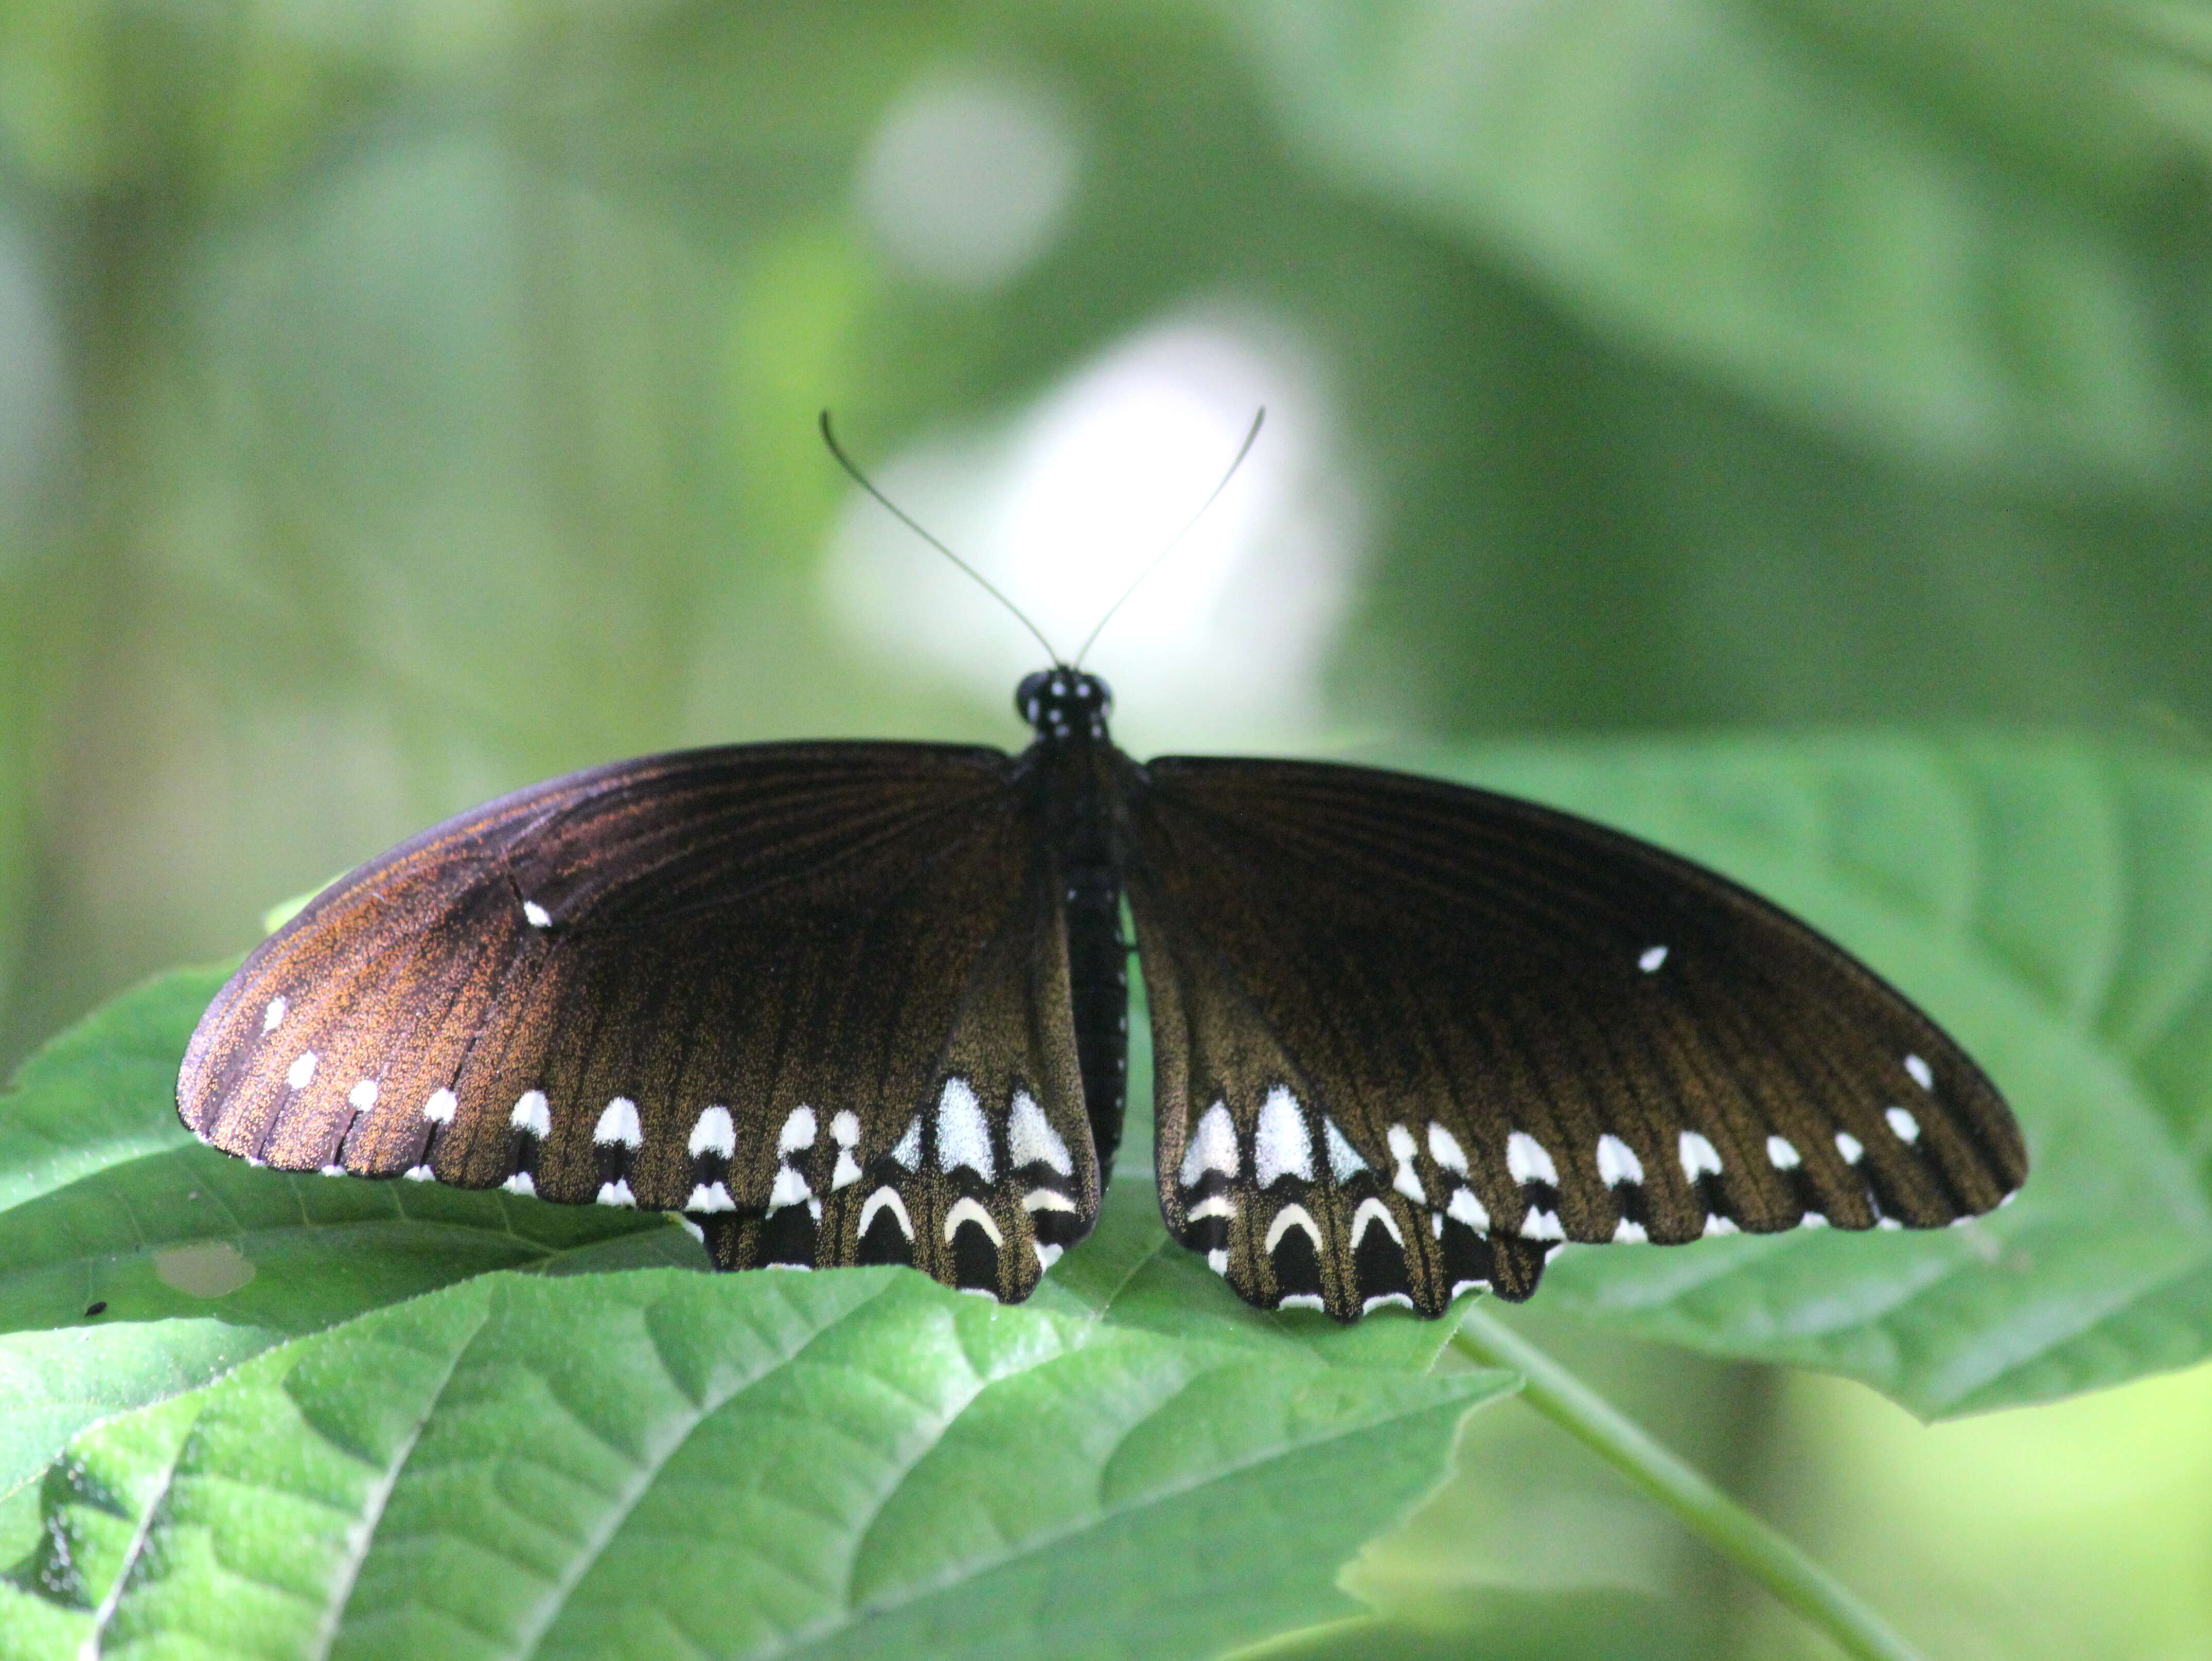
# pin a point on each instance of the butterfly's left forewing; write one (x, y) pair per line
(1411, 1036)
(816, 996)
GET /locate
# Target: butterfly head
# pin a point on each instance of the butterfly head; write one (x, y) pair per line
(1060, 702)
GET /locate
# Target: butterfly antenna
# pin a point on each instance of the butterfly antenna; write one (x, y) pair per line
(907, 520)
(1160, 559)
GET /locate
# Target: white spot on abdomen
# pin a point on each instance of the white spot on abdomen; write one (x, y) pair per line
(1282, 1146)
(1212, 1147)
(962, 1136)
(300, 1070)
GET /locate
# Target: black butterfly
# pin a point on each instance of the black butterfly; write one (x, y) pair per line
(865, 1002)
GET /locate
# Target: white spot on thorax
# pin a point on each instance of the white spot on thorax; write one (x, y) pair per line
(1697, 1155)
(1290, 1217)
(440, 1108)
(886, 1199)
(798, 1133)
(535, 915)
(710, 1196)
(1781, 1155)
(1850, 1147)
(1921, 1073)
(1444, 1148)
(362, 1096)
(1372, 1211)
(273, 1014)
(1525, 1158)
(1906, 1127)
(530, 1114)
(300, 1070)
(969, 1210)
(1344, 1161)
(907, 1151)
(1282, 1145)
(716, 1133)
(1650, 960)
(1031, 1139)
(1212, 1147)
(964, 1136)
(1617, 1161)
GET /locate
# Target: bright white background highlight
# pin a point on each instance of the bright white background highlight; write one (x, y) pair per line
(1224, 643)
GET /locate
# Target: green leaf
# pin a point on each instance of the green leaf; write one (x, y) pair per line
(1812, 204)
(2043, 898)
(858, 1463)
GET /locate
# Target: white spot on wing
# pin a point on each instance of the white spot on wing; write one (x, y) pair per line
(845, 1128)
(1303, 1300)
(1650, 960)
(1282, 1146)
(362, 1096)
(1469, 1210)
(1372, 1211)
(1541, 1226)
(962, 1136)
(886, 1199)
(1407, 1180)
(1625, 1231)
(520, 1182)
(1921, 1074)
(1890, 1223)
(908, 1152)
(618, 1124)
(1290, 1217)
(1031, 1139)
(440, 1108)
(1046, 1255)
(1850, 1147)
(1781, 1154)
(1344, 1161)
(535, 915)
(273, 1014)
(1444, 1148)
(332, 1170)
(716, 1133)
(1382, 1298)
(1525, 1158)
(1697, 1155)
(1813, 1220)
(1051, 1199)
(300, 1070)
(1617, 1161)
(847, 1172)
(1212, 1147)
(1717, 1224)
(710, 1198)
(531, 1113)
(1217, 1260)
(969, 1210)
(1216, 1205)
(798, 1133)
(617, 1192)
(790, 1189)
(420, 1174)
(1906, 1127)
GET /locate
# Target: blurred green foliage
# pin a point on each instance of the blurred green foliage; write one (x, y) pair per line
(401, 400)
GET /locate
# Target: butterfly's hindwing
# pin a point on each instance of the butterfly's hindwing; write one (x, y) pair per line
(753, 985)
(1381, 998)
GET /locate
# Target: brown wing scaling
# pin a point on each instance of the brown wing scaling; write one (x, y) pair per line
(1412, 1036)
(814, 995)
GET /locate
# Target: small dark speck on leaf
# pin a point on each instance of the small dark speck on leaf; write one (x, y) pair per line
(98, 1308)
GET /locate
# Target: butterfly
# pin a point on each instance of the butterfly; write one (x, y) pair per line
(860, 1003)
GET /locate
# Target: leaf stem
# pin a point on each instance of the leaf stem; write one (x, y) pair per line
(1757, 1549)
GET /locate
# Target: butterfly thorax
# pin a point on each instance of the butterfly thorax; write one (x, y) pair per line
(1072, 762)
